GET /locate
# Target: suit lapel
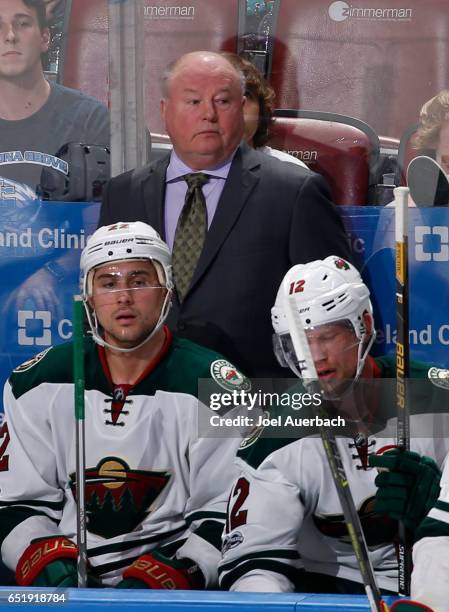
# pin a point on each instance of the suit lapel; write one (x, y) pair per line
(243, 177)
(153, 193)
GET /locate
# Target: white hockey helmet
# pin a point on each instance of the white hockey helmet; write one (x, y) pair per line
(325, 291)
(119, 242)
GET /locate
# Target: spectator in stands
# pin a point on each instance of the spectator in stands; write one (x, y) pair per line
(432, 135)
(231, 243)
(258, 109)
(36, 119)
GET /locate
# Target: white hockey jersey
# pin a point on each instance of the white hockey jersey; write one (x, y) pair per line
(430, 583)
(284, 513)
(151, 482)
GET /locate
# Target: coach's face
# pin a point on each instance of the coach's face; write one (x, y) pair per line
(21, 40)
(203, 110)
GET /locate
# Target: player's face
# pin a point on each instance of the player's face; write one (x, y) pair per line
(442, 152)
(21, 40)
(127, 298)
(203, 111)
(334, 349)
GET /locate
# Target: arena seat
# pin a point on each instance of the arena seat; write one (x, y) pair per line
(170, 31)
(373, 65)
(406, 153)
(343, 149)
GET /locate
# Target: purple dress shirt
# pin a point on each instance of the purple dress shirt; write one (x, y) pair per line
(176, 188)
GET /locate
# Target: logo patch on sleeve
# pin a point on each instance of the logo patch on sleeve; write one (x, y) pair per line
(254, 434)
(26, 365)
(228, 377)
(233, 540)
(439, 377)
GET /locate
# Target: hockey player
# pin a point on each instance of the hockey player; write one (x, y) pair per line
(284, 513)
(154, 489)
(431, 553)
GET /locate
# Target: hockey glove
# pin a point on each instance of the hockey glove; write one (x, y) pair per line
(406, 605)
(154, 571)
(409, 486)
(48, 562)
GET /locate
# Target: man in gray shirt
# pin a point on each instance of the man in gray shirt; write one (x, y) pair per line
(36, 117)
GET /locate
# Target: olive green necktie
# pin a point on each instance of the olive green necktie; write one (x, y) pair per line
(190, 233)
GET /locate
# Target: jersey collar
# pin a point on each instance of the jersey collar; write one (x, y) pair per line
(150, 367)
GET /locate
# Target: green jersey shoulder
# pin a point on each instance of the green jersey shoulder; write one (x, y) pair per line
(179, 371)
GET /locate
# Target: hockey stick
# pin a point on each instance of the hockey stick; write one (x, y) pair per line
(427, 182)
(402, 365)
(352, 519)
(78, 380)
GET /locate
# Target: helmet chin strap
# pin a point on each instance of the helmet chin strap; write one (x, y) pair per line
(93, 324)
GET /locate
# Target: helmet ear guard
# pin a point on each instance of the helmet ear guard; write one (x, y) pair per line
(124, 242)
(279, 351)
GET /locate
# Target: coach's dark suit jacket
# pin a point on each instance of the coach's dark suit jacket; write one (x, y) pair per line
(271, 215)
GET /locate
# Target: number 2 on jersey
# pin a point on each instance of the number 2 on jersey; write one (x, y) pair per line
(4, 441)
(236, 516)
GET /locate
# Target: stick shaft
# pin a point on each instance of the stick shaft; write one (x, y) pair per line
(402, 315)
(352, 519)
(402, 365)
(78, 378)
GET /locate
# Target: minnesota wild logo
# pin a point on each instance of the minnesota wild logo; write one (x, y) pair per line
(228, 377)
(118, 498)
(341, 264)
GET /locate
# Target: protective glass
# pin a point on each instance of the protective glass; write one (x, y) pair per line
(110, 282)
(285, 353)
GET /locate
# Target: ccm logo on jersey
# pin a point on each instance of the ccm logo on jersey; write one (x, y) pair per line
(231, 541)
